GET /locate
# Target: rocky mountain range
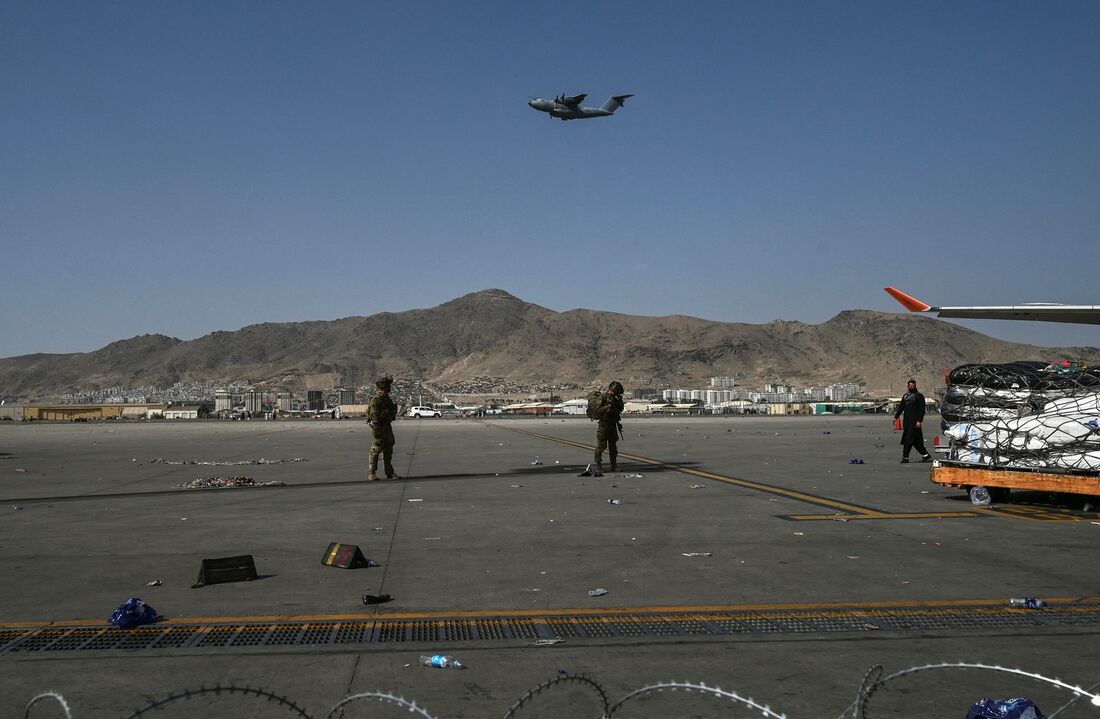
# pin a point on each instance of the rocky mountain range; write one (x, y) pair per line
(492, 334)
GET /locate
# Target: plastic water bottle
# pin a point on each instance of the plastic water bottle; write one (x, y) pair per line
(441, 661)
(1026, 602)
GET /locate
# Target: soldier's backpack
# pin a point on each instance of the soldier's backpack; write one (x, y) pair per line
(595, 401)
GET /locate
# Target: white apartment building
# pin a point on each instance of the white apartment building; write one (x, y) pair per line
(844, 392)
(253, 401)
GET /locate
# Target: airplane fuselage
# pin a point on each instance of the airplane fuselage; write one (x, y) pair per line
(566, 112)
(569, 108)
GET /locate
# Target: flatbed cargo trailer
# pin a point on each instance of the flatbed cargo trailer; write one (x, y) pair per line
(1001, 480)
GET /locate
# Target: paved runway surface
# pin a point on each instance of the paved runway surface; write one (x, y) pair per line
(805, 571)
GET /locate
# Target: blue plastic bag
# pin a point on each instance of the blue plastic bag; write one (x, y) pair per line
(1005, 709)
(133, 612)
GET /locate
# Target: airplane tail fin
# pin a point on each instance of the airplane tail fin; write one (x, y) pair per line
(615, 103)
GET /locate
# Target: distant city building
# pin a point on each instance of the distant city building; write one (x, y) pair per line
(253, 401)
(315, 401)
(722, 382)
(572, 406)
(347, 396)
(222, 401)
(816, 394)
(843, 392)
(718, 396)
(285, 401)
(185, 412)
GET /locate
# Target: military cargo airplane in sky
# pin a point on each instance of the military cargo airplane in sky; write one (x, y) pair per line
(569, 108)
(1041, 311)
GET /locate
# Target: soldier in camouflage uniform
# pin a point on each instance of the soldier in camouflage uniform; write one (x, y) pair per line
(382, 412)
(608, 429)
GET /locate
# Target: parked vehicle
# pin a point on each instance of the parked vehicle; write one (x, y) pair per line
(419, 412)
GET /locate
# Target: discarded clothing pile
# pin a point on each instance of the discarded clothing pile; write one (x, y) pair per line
(218, 482)
(133, 612)
(1052, 433)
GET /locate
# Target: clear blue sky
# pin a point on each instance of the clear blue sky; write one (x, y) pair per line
(185, 167)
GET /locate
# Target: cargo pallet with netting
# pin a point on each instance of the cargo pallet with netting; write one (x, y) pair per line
(1022, 425)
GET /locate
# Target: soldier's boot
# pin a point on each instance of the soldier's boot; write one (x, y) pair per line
(599, 465)
(391, 474)
(372, 475)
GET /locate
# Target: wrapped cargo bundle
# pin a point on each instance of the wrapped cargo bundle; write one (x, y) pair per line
(1025, 414)
(987, 392)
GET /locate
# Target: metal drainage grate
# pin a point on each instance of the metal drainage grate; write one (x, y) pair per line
(383, 631)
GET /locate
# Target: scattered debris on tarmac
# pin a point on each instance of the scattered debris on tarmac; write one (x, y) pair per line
(222, 482)
(225, 463)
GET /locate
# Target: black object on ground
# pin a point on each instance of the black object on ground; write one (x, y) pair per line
(376, 598)
(345, 556)
(226, 569)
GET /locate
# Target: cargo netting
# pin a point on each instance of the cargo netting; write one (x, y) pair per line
(1024, 414)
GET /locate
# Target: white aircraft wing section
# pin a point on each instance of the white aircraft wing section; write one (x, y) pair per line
(1043, 312)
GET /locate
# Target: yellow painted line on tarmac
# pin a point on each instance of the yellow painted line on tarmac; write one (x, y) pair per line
(847, 509)
(844, 510)
(880, 515)
(747, 484)
(1075, 603)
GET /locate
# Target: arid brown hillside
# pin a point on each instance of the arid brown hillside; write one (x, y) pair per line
(493, 334)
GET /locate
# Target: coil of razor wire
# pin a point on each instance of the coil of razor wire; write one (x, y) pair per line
(859, 708)
(384, 697)
(217, 690)
(562, 680)
(764, 709)
(48, 695)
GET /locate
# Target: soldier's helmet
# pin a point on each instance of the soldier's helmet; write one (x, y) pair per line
(384, 382)
(617, 387)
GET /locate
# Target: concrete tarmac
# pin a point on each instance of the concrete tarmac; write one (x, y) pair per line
(477, 529)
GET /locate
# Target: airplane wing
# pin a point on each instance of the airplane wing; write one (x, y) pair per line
(1044, 312)
(575, 100)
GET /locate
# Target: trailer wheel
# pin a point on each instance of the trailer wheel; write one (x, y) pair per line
(998, 494)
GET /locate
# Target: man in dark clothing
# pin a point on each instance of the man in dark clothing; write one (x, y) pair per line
(381, 414)
(607, 431)
(911, 411)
